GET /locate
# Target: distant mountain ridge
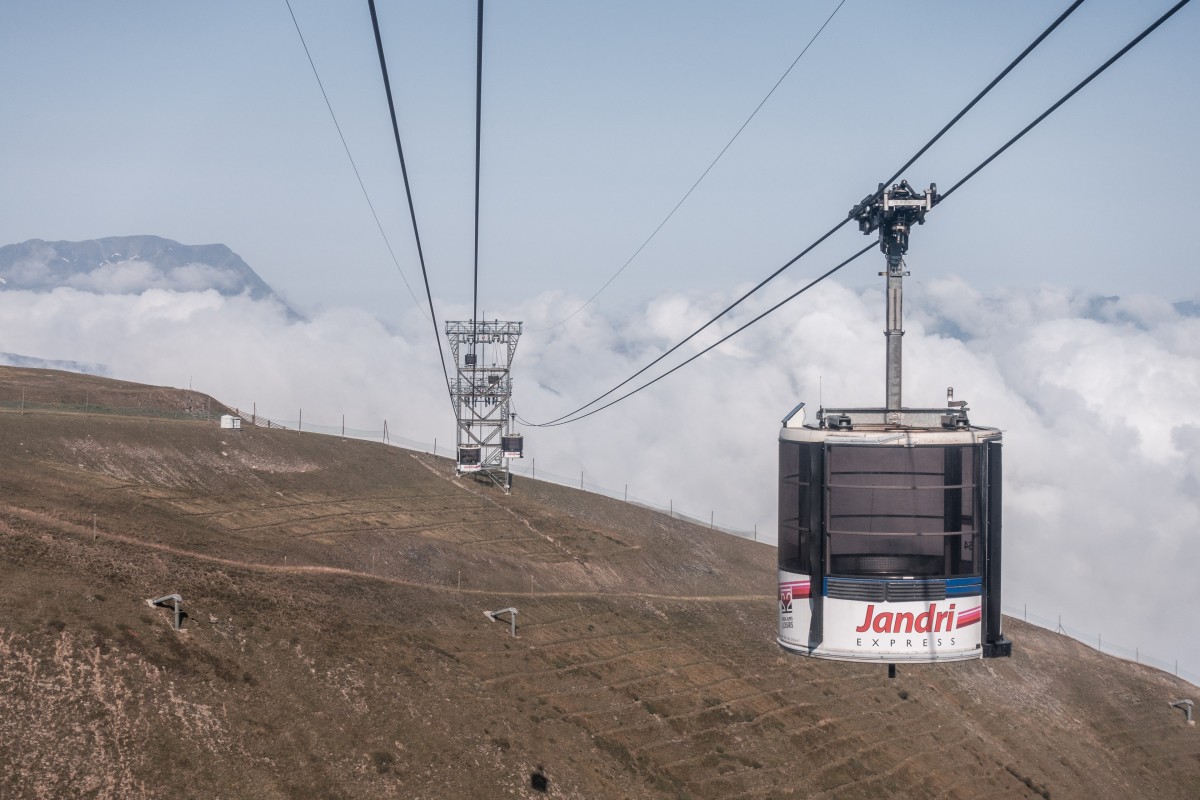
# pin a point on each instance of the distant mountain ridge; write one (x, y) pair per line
(129, 265)
(33, 362)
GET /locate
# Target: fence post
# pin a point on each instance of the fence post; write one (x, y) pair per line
(627, 493)
(300, 422)
(343, 426)
(435, 446)
(711, 516)
(580, 479)
(672, 508)
(756, 531)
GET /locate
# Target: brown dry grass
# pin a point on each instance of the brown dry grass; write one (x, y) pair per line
(330, 652)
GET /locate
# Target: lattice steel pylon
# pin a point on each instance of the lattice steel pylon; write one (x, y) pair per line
(482, 394)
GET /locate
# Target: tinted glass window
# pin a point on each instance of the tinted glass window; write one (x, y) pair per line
(800, 477)
(897, 511)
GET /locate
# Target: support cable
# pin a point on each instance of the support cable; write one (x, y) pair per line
(703, 175)
(953, 121)
(715, 344)
(478, 132)
(1117, 56)
(412, 212)
(353, 166)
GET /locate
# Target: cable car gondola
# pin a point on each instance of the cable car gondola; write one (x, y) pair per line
(512, 445)
(469, 458)
(890, 518)
(889, 536)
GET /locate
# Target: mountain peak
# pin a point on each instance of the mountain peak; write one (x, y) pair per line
(128, 265)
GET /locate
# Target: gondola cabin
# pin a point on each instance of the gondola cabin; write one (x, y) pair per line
(469, 458)
(889, 535)
(512, 445)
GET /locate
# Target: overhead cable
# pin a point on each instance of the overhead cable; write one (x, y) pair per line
(715, 344)
(412, 212)
(1133, 43)
(1116, 56)
(478, 132)
(953, 121)
(704, 174)
(353, 166)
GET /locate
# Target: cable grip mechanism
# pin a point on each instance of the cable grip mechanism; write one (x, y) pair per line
(893, 213)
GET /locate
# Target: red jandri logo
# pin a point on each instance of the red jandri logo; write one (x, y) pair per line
(930, 621)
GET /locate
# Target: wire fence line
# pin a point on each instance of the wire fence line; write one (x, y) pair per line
(1098, 642)
(530, 470)
(29, 406)
(517, 467)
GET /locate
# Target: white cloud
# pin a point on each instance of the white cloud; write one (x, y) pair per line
(1097, 399)
(45, 270)
(134, 276)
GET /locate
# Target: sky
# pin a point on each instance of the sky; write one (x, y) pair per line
(1043, 290)
(202, 122)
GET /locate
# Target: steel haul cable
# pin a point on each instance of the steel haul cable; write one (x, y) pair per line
(1137, 39)
(387, 86)
(1116, 56)
(353, 165)
(717, 343)
(703, 175)
(953, 121)
(478, 136)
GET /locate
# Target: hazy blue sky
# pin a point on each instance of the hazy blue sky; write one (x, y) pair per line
(202, 122)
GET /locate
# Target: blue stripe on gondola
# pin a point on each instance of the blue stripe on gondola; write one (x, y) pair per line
(962, 587)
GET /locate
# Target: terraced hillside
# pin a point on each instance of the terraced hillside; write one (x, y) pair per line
(335, 645)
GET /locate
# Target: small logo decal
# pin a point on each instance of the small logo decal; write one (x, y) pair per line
(789, 591)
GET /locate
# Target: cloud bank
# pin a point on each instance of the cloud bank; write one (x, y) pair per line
(1097, 398)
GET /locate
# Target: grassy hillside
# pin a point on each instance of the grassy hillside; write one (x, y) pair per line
(335, 645)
